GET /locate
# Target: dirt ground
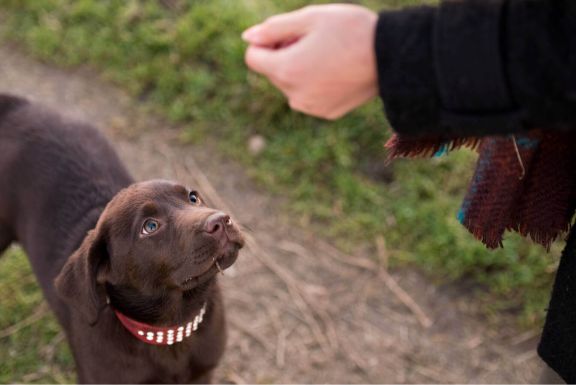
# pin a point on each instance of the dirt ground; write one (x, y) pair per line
(298, 310)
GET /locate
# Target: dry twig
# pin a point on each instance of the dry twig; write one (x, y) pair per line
(235, 378)
(383, 256)
(281, 348)
(388, 280)
(526, 336)
(49, 351)
(256, 337)
(528, 355)
(40, 313)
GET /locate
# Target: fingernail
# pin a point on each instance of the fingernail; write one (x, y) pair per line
(251, 34)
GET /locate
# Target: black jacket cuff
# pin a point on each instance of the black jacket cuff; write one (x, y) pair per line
(441, 70)
(406, 77)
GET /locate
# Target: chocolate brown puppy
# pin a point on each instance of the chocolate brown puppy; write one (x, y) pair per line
(128, 268)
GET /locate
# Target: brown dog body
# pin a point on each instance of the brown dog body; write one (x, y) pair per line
(99, 243)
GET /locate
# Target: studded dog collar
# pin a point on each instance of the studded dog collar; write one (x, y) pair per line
(161, 335)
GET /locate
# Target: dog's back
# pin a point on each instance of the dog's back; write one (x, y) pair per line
(56, 176)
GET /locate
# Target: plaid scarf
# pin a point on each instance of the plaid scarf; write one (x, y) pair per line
(524, 183)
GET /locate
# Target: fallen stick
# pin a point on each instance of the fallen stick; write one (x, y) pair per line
(40, 313)
(388, 280)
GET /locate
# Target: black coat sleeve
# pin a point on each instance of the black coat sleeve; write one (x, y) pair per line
(478, 67)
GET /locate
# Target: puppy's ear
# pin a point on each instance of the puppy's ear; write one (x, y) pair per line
(78, 283)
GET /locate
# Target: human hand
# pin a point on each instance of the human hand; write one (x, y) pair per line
(321, 57)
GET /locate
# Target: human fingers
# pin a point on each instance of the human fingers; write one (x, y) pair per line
(262, 60)
(279, 30)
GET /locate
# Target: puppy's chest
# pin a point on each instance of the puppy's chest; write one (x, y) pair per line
(173, 364)
(145, 366)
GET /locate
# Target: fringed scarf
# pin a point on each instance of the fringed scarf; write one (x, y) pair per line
(525, 183)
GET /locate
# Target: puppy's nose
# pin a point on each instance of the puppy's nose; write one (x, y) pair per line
(216, 223)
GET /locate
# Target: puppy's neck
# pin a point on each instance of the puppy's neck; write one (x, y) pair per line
(164, 308)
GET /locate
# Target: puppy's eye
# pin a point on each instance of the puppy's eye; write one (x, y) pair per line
(150, 226)
(193, 197)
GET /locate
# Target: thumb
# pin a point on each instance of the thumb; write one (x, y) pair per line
(261, 59)
(278, 29)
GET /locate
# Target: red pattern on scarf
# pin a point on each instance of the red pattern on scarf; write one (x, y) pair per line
(525, 183)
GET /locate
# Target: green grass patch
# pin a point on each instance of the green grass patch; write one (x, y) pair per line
(32, 347)
(186, 60)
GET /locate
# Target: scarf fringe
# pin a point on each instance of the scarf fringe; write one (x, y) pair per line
(542, 236)
(399, 147)
(524, 183)
(492, 237)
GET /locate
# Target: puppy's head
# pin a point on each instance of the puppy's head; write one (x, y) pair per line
(155, 236)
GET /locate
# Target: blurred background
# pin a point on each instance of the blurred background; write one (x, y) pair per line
(168, 76)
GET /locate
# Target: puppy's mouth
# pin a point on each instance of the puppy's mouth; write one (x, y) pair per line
(218, 265)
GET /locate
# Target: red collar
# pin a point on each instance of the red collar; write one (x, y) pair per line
(161, 335)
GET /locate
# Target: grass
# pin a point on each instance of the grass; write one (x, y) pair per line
(35, 353)
(185, 59)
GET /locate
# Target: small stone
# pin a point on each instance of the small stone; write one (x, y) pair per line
(256, 144)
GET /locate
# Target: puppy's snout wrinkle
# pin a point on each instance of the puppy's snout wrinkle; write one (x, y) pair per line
(216, 223)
